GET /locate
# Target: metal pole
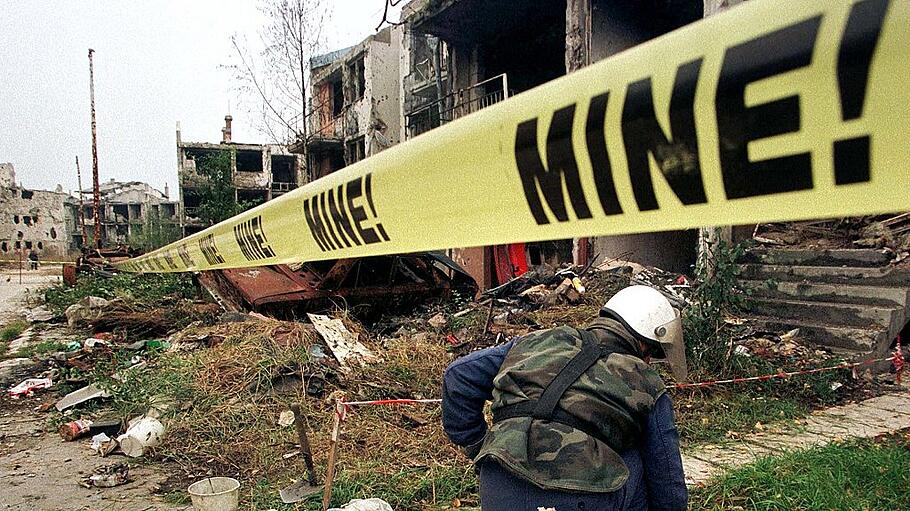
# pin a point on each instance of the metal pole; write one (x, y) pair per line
(81, 211)
(96, 200)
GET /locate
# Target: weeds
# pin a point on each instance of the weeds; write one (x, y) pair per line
(716, 297)
(856, 475)
(12, 330)
(150, 289)
(40, 348)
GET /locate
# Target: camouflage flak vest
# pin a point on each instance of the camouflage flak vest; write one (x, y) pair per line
(566, 403)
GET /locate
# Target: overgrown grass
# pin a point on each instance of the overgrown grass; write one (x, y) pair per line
(223, 405)
(12, 330)
(40, 348)
(858, 475)
(148, 289)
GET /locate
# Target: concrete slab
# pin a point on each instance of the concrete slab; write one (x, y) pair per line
(835, 257)
(867, 419)
(837, 275)
(831, 293)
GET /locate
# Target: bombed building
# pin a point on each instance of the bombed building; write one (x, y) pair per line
(128, 209)
(259, 172)
(355, 108)
(39, 220)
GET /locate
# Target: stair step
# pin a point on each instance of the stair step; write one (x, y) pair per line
(835, 314)
(831, 293)
(839, 338)
(887, 276)
(857, 258)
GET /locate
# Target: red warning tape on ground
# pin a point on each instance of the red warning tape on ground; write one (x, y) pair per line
(897, 360)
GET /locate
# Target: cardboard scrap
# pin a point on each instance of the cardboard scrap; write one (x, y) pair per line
(342, 343)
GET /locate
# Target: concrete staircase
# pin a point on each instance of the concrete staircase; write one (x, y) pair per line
(849, 300)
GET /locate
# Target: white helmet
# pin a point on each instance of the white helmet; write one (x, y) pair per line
(650, 317)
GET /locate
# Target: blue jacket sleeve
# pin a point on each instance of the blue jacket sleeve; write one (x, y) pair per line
(467, 385)
(664, 477)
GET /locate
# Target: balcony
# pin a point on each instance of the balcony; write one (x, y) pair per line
(279, 188)
(457, 104)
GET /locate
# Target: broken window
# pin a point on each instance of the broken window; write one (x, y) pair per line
(28, 245)
(53, 233)
(168, 211)
(27, 220)
(356, 74)
(4, 247)
(27, 194)
(15, 219)
(251, 197)
(249, 161)
(40, 246)
(121, 212)
(283, 169)
(135, 211)
(18, 245)
(337, 96)
(356, 150)
(19, 235)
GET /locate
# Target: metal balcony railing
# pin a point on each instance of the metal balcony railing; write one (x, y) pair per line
(278, 186)
(457, 104)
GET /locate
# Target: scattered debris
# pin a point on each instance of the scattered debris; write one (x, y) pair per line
(75, 429)
(27, 387)
(142, 433)
(438, 321)
(108, 476)
(85, 310)
(364, 505)
(286, 418)
(38, 314)
(215, 494)
(104, 444)
(380, 282)
(87, 393)
(343, 344)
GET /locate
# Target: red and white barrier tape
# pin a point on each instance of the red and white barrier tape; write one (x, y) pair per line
(897, 360)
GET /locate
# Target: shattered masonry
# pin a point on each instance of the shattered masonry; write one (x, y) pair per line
(260, 172)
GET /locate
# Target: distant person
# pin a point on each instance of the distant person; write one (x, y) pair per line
(580, 419)
(32, 260)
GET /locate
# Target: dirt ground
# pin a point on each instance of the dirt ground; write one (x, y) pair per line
(14, 296)
(38, 470)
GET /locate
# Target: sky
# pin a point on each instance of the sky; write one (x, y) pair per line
(156, 63)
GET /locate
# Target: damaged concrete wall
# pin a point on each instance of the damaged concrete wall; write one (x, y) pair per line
(39, 220)
(598, 29)
(383, 90)
(259, 172)
(369, 119)
(7, 175)
(125, 208)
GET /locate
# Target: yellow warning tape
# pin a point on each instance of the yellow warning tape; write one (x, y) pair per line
(772, 111)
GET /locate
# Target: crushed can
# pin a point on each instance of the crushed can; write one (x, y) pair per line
(75, 429)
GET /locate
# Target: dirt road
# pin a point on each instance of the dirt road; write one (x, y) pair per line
(16, 296)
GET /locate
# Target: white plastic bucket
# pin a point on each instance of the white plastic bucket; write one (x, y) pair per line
(215, 494)
(142, 433)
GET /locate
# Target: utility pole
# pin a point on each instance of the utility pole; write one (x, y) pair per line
(96, 201)
(81, 209)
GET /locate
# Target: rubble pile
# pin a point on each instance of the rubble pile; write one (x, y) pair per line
(886, 232)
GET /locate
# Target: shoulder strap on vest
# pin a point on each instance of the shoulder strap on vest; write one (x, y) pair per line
(545, 407)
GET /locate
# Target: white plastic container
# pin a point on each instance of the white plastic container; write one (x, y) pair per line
(140, 435)
(215, 494)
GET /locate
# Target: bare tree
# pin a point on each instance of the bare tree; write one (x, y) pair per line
(276, 75)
